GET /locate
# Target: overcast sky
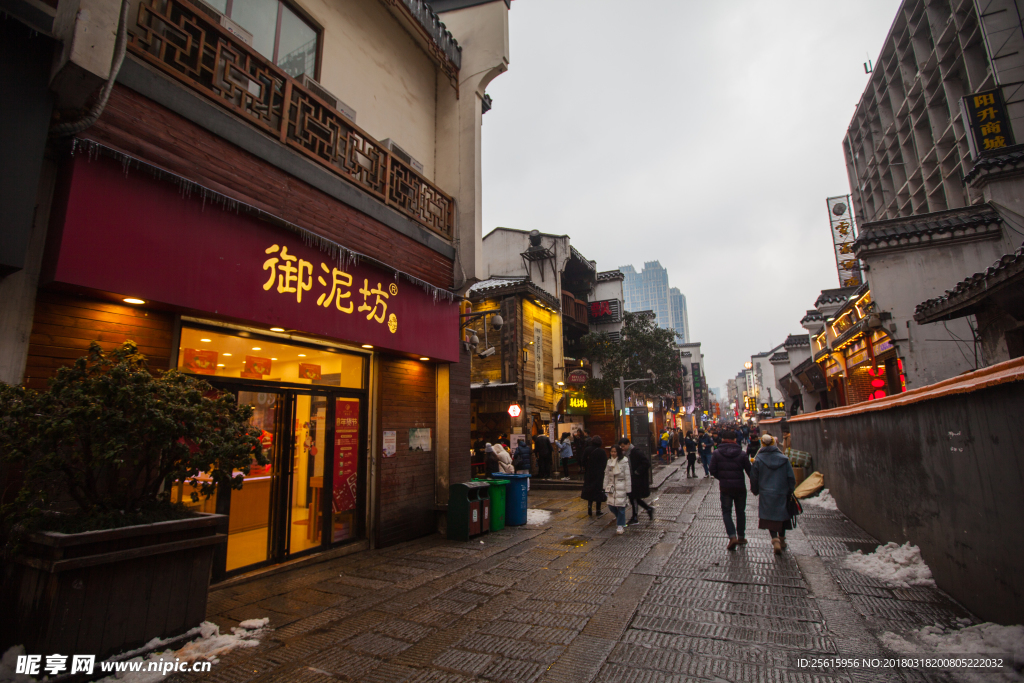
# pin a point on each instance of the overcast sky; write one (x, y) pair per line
(705, 135)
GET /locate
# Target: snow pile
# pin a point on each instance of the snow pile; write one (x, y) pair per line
(9, 664)
(822, 500)
(537, 516)
(976, 641)
(899, 565)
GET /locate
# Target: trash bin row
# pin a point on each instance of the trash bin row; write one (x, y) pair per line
(483, 505)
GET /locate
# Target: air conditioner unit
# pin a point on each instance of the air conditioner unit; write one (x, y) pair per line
(231, 26)
(325, 95)
(401, 154)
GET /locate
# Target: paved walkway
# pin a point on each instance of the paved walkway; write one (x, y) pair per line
(571, 601)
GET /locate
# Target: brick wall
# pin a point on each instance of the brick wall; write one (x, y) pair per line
(140, 127)
(65, 324)
(408, 399)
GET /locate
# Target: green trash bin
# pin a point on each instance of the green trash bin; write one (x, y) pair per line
(497, 502)
(465, 510)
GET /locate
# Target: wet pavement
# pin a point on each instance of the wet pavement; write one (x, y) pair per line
(571, 601)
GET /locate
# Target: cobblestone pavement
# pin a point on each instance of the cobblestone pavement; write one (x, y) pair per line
(571, 601)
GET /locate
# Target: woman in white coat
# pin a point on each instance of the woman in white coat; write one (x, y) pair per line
(618, 485)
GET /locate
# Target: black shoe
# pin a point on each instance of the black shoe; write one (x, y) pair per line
(633, 520)
(650, 513)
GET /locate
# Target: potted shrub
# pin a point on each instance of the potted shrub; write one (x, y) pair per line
(96, 557)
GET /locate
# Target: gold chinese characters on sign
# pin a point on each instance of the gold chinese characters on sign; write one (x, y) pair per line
(289, 274)
(985, 113)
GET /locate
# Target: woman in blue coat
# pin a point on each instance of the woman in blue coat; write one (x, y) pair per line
(772, 479)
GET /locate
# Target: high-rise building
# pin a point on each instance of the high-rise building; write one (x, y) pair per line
(649, 290)
(680, 320)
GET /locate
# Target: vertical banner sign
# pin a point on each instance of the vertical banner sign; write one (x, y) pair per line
(985, 113)
(346, 453)
(538, 358)
(698, 387)
(840, 215)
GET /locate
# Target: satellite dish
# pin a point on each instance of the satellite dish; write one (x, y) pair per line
(839, 208)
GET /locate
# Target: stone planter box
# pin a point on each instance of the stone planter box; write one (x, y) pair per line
(106, 592)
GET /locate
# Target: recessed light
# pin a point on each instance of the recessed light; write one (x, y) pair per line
(205, 341)
(424, 358)
(130, 300)
(302, 355)
(277, 329)
(256, 348)
(226, 354)
(273, 359)
(367, 346)
(220, 365)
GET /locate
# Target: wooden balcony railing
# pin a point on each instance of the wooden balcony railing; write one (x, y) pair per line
(574, 309)
(191, 46)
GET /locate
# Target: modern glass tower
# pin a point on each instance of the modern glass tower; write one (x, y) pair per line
(649, 290)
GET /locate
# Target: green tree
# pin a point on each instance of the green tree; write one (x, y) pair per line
(105, 442)
(644, 346)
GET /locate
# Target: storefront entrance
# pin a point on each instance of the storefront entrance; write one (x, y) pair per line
(311, 494)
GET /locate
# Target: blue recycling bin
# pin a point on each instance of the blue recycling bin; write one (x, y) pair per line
(515, 500)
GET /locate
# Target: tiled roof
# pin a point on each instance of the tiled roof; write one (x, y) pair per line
(497, 283)
(834, 296)
(435, 28)
(797, 340)
(811, 316)
(510, 285)
(608, 275)
(958, 301)
(1010, 161)
(972, 222)
(780, 357)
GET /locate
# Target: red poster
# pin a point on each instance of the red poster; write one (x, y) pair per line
(257, 365)
(199, 362)
(346, 454)
(309, 371)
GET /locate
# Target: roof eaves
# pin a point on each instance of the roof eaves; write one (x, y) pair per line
(970, 291)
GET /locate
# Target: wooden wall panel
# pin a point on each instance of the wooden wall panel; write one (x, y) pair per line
(142, 128)
(65, 324)
(459, 420)
(408, 398)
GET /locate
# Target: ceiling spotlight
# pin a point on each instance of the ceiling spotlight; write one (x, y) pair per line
(424, 358)
(220, 365)
(367, 346)
(256, 348)
(302, 355)
(227, 354)
(130, 300)
(205, 341)
(277, 329)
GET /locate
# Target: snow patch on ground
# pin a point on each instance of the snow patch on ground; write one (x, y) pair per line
(899, 565)
(537, 516)
(822, 500)
(208, 647)
(977, 641)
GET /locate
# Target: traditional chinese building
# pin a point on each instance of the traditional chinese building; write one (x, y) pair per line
(281, 199)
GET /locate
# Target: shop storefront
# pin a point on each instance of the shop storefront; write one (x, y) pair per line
(340, 356)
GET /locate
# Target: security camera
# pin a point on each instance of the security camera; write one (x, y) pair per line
(497, 322)
(488, 352)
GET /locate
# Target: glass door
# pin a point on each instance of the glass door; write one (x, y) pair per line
(306, 490)
(250, 511)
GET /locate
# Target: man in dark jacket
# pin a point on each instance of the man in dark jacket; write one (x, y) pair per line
(639, 473)
(705, 444)
(542, 448)
(728, 463)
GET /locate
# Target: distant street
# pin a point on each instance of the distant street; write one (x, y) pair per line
(568, 600)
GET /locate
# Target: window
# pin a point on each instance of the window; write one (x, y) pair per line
(278, 32)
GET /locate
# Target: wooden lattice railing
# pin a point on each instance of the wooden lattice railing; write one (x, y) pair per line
(191, 46)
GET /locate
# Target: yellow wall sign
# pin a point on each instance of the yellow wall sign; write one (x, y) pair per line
(577, 405)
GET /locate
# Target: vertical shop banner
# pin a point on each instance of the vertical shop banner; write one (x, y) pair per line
(538, 358)
(346, 453)
(988, 121)
(840, 216)
(698, 387)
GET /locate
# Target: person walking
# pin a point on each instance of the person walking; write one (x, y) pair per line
(753, 446)
(565, 454)
(639, 472)
(772, 480)
(594, 462)
(504, 459)
(691, 455)
(521, 459)
(705, 444)
(617, 485)
(542, 447)
(728, 463)
(673, 446)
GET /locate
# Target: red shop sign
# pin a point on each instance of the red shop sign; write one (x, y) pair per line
(139, 236)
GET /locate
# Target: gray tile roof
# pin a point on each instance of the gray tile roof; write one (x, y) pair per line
(969, 292)
(972, 222)
(607, 275)
(780, 357)
(797, 340)
(811, 316)
(834, 296)
(1010, 161)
